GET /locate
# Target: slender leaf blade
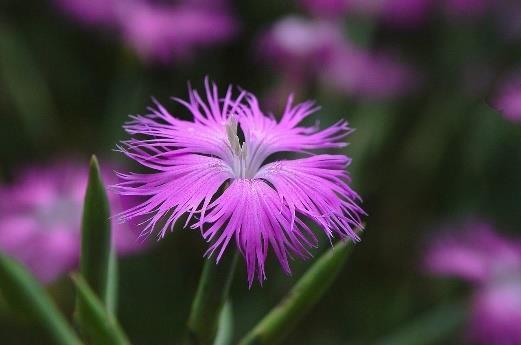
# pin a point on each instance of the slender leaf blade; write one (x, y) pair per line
(301, 298)
(209, 300)
(22, 291)
(112, 283)
(99, 323)
(96, 236)
(225, 331)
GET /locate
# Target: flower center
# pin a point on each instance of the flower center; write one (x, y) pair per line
(239, 162)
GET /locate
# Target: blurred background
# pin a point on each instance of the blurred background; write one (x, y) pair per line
(431, 86)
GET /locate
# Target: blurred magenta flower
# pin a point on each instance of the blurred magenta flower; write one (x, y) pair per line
(159, 31)
(326, 8)
(398, 13)
(299, 47)
(369, 75)
(493, 264)
(508, 18)
(303, 49)
(466, 8)
(227, 185)
(41, 219)
(508, 99)
(90, 12)
(406, 13)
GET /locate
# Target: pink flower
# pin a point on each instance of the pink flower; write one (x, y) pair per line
(496, 313)
(493, 264)
(326, 8)
(90, 12)
(466, 8)
(304, 50)
(369, 75)
(159, 31)
(227, 186)
(41, 219)
(406, 13)
(398, 13)
(508, 99)
(300, 47)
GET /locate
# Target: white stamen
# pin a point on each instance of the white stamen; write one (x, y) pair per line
(240, 153)
(233, 139)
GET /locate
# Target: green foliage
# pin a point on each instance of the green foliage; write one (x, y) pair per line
(95, 233)
(299, 301)
(209, 300)
(100, 324)
(25, 295)
(225, 331)
(97, 264)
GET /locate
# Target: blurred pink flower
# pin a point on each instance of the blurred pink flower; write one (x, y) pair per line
(326, 8)
(159, 31)
(369, 75)
(406, 13)
(493, 264)
(496, 313)
(508, 99)
(508, 18)
(90, 12)
(41, 218)
(399, 13)
(303, 50)
(466, 8)
(298, 46)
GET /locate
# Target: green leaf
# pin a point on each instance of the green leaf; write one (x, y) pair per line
(430, 328)
(95, 245)
(95, 237)
(101, 325)
(225, 331)
(25, 294)
(210, 297)
(299, 301)
(112, 284)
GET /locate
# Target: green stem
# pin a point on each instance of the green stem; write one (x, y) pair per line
(225, 332)
(101, 325)
(24, 294)
(209, 300)
(304, 295)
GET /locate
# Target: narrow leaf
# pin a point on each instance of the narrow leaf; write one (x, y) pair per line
(101, 325)
(95, 244)
(225, 331)
(431, 328)
(210, 297)
(299, 301)
(95, 239)
(112, 283)
(25, 294)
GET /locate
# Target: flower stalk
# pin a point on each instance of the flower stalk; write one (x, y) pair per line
(23, 292)
(301, 298)
(209, 300)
